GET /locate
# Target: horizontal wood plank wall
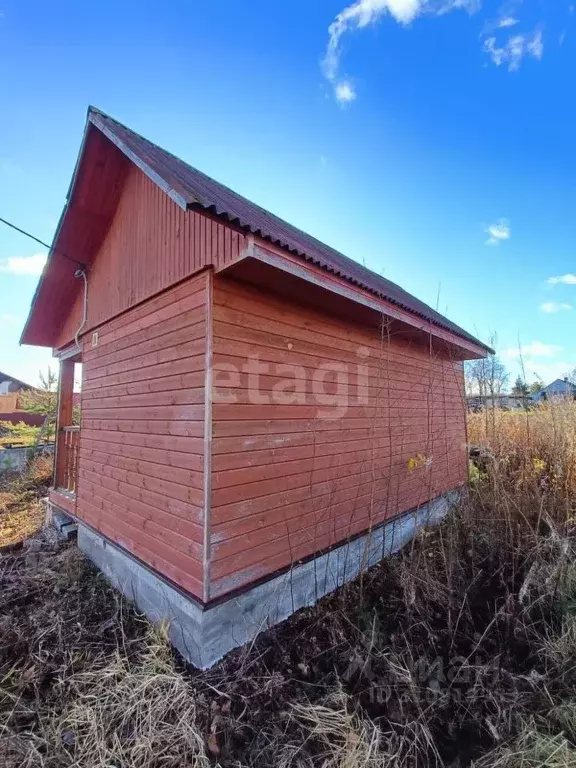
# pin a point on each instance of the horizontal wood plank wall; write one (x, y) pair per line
(151, 244)
(141, 461)
(294, 473)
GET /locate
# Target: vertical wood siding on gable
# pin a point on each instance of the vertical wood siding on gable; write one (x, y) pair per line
(152, 243)
(287, 483)
(141, 460)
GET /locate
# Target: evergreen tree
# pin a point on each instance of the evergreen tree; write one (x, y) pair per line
(520, 388)
(43, 400)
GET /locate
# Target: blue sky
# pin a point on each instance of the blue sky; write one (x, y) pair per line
(432, 140)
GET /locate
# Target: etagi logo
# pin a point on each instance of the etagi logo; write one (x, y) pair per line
(331, 387)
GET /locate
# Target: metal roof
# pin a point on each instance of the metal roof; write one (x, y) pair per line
(191, 188)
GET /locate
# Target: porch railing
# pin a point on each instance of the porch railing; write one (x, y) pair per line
(67, 458)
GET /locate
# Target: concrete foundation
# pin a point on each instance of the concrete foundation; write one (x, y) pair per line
(203, 635)
(64, 525)
(16, 459)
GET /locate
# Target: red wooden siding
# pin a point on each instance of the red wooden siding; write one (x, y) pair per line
(340, 285)
(287, 483)
(63, 500)
(152, 243)
(141, 463)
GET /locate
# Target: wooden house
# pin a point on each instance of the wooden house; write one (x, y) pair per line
(10, 384)
(11, 410)
(261, 417)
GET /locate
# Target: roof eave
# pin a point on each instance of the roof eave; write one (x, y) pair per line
(473, 348)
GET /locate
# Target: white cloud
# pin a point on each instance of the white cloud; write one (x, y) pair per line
(567, 279)
(554, 306)
(440, 8)
(506, 22)
(344, 92)
(24, 265)
(498, 232)
(7, 319)
(535, 349)
(512, 51)
(365, 13)
(535, 46)
(548, 371)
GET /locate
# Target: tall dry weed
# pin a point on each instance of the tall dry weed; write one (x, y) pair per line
(528, 462)
(458, 651)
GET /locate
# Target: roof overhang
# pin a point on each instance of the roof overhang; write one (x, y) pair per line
(261, 266)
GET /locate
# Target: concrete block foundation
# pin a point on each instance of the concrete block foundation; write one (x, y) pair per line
(64, 526)
(204, 634)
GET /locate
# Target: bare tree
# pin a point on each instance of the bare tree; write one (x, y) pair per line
(486, 377)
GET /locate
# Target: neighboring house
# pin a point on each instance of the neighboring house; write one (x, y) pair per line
(11, 404)
(10, 384)
(255, 405)
(560, 388)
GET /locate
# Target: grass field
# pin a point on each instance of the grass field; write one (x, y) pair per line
(459, 651)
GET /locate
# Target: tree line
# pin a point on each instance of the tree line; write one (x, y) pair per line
(489, 378)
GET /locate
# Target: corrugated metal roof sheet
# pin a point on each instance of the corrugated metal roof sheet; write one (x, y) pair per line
(192, 188)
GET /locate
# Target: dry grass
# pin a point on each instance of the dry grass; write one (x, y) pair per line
(530, 462)
(132, 713)
(21, 513)
(83, 681)
(15, 526)
(459, 651)
(349, 741)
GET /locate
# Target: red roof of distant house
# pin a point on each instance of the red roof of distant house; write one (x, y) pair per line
(192, 189)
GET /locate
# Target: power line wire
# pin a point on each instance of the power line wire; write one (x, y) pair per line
(23, 232)
(37, 239)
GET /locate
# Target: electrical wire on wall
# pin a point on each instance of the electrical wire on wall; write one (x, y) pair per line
(81, 273)
(37, 240)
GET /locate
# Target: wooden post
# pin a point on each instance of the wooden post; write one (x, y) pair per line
(64, 417)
